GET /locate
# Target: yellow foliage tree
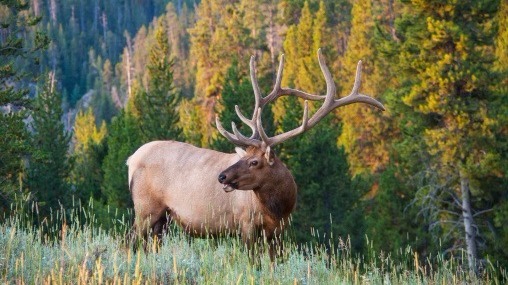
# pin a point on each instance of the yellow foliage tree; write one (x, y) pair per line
(366, 132)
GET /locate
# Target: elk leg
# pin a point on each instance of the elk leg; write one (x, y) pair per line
(276, 247)
(252, 239)
(161, 226)
(146, 223)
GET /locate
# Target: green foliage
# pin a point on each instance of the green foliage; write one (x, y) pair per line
(19, 47)
(237, 90)
(75, 27)
(157, 106)
(367, 132)
(49, 164)
(328, 201)
(391, 218)
(445, 81)
(123, 139)
(89, 152)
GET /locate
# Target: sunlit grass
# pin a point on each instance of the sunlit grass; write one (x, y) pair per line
(78, 251)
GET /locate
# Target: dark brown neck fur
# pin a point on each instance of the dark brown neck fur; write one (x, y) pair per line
(279, 196)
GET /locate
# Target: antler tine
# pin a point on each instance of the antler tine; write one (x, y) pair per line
(237, 138)
(355, 97)
(284, 136)
(331, 90)
(276, 87)
(255, 85)
(244, 119)
(237, 133)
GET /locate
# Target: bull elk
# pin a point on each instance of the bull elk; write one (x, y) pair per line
(209, 193)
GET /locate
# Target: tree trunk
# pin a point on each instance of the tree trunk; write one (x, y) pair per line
(469, 226)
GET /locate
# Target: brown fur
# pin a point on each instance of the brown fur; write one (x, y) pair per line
(181, 181)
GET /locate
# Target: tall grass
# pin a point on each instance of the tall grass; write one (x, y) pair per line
(77, 250)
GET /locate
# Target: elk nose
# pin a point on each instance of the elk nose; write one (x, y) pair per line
(222, 177)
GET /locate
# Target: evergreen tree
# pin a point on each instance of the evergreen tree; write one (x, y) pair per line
(191, 122)
(49, 165)
(219, 36)
(89, 152)
(237, 90)
(19, 47)
(157, 106)
(447, 84)
(367, 132)
(391, 224)
(328, 203)
(123, 139)
(301, 67)
(499, 237)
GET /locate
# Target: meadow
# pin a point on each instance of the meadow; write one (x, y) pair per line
(76, 249)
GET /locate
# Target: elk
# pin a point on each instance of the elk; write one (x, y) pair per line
(209, 193)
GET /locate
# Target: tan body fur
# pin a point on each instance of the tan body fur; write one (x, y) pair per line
(169, 177)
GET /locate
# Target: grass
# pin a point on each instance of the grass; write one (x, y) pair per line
(78, 251)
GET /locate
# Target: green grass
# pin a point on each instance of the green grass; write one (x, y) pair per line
(78, 251)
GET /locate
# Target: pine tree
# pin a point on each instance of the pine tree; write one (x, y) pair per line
(328, 204)
(390, 223)
(20, 45)
(366, 133)
(301, 67)
(499, 237)
(219, 36)
(123, 139)
(89, 152)
(447, 84)
(237, 90)
(157, 106)
(49, 165)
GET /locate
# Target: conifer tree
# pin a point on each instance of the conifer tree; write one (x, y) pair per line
(123, 139)
(49, 164)
(20, 44)
(219, 35)
(328, 204)
(89, 152)
(499, 237)
(302, 42)
(157, 105)
(366, 133)
(237, 90)
(446, 83)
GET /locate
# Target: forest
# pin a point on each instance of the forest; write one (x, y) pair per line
(83, 84)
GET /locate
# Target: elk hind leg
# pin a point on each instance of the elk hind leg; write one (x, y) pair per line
(148, 225)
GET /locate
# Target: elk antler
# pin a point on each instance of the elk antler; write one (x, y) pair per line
(259, 137)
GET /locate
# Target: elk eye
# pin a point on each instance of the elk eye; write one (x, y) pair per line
(253, 163)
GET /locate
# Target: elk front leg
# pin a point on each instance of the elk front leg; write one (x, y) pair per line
(253, 242)
(276, 247)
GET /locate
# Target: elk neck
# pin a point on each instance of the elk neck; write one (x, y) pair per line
(278, 195)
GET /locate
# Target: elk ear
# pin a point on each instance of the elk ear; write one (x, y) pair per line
(269, 155)
(241, 152)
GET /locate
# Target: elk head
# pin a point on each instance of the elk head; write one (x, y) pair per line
(258, 160)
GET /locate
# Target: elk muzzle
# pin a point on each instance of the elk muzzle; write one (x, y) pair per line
(229, 185)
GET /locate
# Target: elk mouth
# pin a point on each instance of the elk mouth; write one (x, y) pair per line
(228, 187)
